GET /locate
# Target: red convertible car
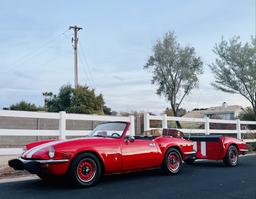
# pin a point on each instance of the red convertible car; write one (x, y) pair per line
(108, 150)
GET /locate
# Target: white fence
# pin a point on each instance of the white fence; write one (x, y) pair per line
(206, 121)
(62, 132)
(62, 117)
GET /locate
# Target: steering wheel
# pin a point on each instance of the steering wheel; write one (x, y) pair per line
(115, 135)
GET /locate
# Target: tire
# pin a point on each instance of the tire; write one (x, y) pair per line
(85, 170)
(172, 162)
(231, 157)
(189, 161)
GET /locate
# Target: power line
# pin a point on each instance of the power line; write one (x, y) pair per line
(88, 78)
(35, 51)
(87, 64)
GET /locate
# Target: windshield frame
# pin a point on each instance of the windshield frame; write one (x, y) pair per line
(121, 135)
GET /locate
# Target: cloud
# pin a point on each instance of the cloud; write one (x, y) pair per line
(117, 40)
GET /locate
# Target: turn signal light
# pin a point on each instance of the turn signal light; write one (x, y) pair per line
(51, 152)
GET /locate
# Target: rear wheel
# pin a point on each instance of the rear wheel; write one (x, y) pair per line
(231, 158)
(172, 162)
(85, 170)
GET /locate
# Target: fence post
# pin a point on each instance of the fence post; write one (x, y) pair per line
(132, 126)
(207, 126)
(146, 122)
(62, 125)
(164, 121)
(238, 128)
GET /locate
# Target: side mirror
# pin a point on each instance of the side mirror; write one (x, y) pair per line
(129, 138)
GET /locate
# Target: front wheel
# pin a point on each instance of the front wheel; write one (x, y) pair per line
(172, 162)
(85, 170)
(231, 158)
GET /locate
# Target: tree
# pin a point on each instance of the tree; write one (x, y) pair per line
(24, 106)
(76, 100)
(180, 112)
(47, 96)
(107, 110)
(175, 70)
(247, 115)
(235, 68)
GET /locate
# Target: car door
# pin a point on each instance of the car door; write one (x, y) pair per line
(139, 154)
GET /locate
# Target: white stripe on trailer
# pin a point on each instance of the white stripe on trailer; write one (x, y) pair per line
(203, 148)
(195, 146)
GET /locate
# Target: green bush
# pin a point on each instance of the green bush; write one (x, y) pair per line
(254, 146)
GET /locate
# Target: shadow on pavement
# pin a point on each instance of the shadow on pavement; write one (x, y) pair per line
(188, 169)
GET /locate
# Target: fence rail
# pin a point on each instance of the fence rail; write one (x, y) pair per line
(206, 121)
(62, 117)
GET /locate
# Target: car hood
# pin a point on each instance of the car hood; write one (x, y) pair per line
(39, 150)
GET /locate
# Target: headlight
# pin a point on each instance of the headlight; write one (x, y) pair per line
(51, 152)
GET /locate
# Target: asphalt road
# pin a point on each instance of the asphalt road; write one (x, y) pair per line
(206, 179)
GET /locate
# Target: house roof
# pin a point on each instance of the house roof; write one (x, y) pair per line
(223, 109)
(214, 110)
(195, 114)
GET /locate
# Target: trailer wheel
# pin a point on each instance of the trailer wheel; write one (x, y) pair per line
(231, 158)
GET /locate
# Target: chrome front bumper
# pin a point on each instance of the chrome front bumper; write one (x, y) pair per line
(33, 166)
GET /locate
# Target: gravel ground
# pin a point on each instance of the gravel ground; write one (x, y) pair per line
(6, 171)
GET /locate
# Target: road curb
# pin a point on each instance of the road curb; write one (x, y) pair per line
(25, 178)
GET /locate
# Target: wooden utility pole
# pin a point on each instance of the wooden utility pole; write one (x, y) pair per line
(75, 43)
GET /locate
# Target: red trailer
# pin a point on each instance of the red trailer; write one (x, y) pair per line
(213, 147)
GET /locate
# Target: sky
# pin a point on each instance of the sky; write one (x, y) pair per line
(36, 53)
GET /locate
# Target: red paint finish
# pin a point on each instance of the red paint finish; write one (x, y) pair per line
(183, 145)
(56, 169)
(120, 154)
(216, 149)
(34, 144)
(116, 154)
(140, 154)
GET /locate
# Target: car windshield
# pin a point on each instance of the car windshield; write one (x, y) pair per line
(111, 129)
